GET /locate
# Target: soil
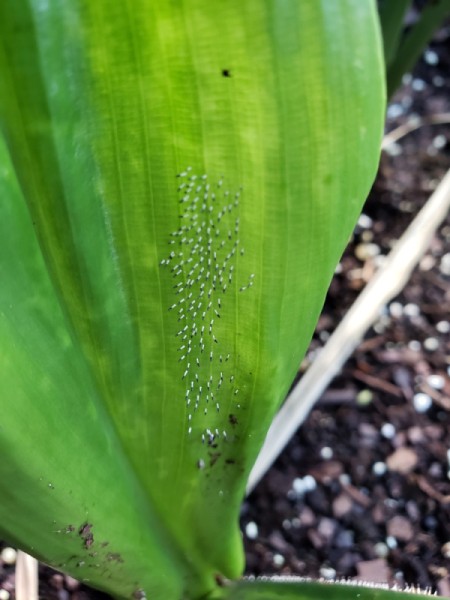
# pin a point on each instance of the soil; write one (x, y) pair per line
(363, 489)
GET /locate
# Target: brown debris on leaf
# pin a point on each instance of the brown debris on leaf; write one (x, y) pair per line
(86, 535)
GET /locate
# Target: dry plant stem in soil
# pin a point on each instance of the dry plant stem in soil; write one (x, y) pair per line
(27, 583)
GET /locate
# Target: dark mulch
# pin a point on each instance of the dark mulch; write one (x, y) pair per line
(363, 489)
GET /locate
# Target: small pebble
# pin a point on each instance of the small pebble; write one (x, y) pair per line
(400, 528)
(403, 460)
(406, 206)
(446, 549)
(342, 505)
(444, 266)
(365, 222)
(310, 483)
(438, 81)
(440, 141)
(345, 539)
(379, 261)
(411, 310)
(298, 486)
(418, 85)
(407, 102)
(431, 344)
(427, 262)
(443, 327)
(435, 470)
(364, 397)
(396, 310)
(406, 79)
(326, 453)
(71, 583)
(393, 149)
(328, 573)
(345, 479)
(391, 542)
(8, 556)
(388, 431)
(394, 111)
(431, 57)
(391, 503)
(379, 468)
(324, 336)
(367, 236)
(286, 524)
(437, 382)
(365, 251)
(251, 530)
(57, 581)
(278, 560)
(422, 402)
(381, 550)
(414, 345)
(381, 325)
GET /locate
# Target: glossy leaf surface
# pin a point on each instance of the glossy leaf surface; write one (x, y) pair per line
(308, 590)
(179, 179)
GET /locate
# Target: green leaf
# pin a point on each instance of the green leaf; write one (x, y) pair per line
(414, 42)
(392, 15)
(122, 418)
(309, 590)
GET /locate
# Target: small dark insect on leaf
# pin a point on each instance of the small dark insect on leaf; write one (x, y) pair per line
(232, 420)
(226, 72)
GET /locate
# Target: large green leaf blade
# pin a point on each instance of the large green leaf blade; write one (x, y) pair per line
(311, 590)
(103, 106)
(68, 493)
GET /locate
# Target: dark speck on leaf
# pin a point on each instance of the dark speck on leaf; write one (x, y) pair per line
(220, 580)
(226, 72)
(232, 420)
(214, 457)
(115, 557)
